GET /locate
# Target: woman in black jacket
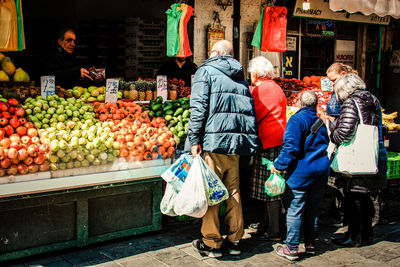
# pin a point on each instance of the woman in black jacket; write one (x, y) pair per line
(359, 190)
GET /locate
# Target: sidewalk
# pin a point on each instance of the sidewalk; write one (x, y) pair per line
(172, 247)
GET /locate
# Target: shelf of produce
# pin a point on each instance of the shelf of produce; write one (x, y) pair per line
(79, 210)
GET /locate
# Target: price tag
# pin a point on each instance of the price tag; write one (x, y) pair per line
(111, 90)
(48, 86)
(162, 87)
(326, 84)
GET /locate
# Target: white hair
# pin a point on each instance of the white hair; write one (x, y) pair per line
(347, 84)
(222, 48)
(309, 99)
(262, 67)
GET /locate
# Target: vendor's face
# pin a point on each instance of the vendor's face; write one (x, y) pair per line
(68, 44)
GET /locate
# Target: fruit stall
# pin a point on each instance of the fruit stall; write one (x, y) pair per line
(81, 170)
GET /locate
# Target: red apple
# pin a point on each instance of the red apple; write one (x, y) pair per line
(22, 154)
(2, 172)
(6, 115)
(13, 170)
(22, 121)
(20, 112)
(32, 150)
(33, 168)
(2, 133)
(26, 140)
(28, 161)
(21, 130)
(15, 161)
(14, 122)
(44, 148)
(15, 138)
(3, 106)
(35, 140)
(5, 163)
(2, 154)
(3, 122)
(11, 110)
(22, 168)
(9, 130)
(12, 153)
(13, 102)
(39, 159)
(32, 132)
(28, 125)
(45, 166)
(5, 143)
(17, 145)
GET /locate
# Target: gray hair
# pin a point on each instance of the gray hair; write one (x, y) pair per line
(222, 48)
(262, 67)
(309, 99)
(346, 85)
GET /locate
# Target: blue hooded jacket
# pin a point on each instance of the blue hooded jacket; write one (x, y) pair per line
(305, 159)
(223, 118)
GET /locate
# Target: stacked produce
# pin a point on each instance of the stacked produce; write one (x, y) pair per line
(21, 150)
(323, 98)
(8, 71)
(315, 80)
(118, 111)
(293, 85)
(139, 90)
(92, 93)
(177, 89)
(176, 114)
(45, 113)
(388, 121)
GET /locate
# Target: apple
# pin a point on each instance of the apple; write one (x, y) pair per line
(15, 138)
(2, 153)
(33, 168)
(28, 125)
(32, 132)
(28, 161)
(44, 167)
(60, 153)
(44, 148)
(9, 130)
(70, 165)
(13, 170)
(2, 133)
(21, 130)
(20, 112)
(3, 122)
(5, 143)
(32, 150)
(22, 168)
(26, 140)
(5, 163)
(12, 153)
(39, 159)
(22, 154)
(62, 166)
(15, 161)
(35, 140)
(2, 172)
(85, 163)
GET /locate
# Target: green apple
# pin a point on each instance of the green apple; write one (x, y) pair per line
(63, 144)
(70, 165)
(60, 153)
(77, 164)
(116, 145)
(53, 158)
(90, 157)
(54, 147)
(61, 117)
(116, 153)
(66, 158)
(62, 166)
(36, 110)
(53, 166)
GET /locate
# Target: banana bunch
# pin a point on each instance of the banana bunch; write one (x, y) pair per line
(388, 121)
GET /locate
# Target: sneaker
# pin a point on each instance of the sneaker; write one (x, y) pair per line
(349, 242)
(234, 248)
(285, 252)
(199, 246)
(256, 226)
(310, 249)
(342, 238)
(263, 236)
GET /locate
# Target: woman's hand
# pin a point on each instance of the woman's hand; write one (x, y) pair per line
(273, 170)
(196, 149)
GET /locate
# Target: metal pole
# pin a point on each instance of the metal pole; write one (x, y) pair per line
(378, 76)
(299, 55)
(236, 29)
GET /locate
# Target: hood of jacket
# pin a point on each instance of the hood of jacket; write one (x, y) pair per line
(227, 65)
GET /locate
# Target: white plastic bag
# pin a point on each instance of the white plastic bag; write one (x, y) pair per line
(177, 173)
(191, 199)
(168, 201)
(215, 189)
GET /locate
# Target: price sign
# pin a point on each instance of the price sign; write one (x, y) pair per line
(48, 86)
(111, 90)
(162, 86)
(326, 84)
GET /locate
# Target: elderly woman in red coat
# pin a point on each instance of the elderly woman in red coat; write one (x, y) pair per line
(270, 106)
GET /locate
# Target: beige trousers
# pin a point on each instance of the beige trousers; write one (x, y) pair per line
(227, 169)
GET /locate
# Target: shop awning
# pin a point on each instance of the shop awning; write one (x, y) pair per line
(367, 7)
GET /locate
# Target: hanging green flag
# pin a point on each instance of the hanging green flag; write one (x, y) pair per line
(173, 18)
(258, 34)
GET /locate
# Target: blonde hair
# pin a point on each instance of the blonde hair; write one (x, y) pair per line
(340, 67)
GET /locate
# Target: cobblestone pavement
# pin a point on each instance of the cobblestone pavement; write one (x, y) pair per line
(172, 247)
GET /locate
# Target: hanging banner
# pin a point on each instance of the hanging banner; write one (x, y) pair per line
(290, 59)
(319, 9)
(345, 52)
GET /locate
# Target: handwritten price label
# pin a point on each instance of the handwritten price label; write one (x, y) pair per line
(48, 86)
(326, 84)
(162, 83)
(111, 90)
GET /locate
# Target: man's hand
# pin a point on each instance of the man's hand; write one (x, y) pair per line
(196, 150)
(85, 73)
(273, 170)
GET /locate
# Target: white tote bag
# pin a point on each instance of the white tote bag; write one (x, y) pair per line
(360, 155)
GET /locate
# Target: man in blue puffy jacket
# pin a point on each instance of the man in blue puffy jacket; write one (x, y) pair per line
(222, 126)
(304, 157)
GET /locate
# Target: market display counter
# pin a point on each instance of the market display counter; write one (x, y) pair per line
(52, 214)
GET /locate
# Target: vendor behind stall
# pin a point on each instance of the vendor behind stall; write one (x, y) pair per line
(62, 62)
(180, 68)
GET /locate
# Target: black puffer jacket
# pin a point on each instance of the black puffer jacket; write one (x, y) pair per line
(345, 129)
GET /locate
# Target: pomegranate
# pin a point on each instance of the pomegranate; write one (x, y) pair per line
(22, 154)
(5, 163)
(32, 132)
(22, 168)
(28, 161)
(33, 168)
(21, 130)
(5, 143)
(13, 170)
(12, 153)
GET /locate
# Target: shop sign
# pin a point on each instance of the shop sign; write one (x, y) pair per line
(345, 52)
(320, 28)
(214, 34)
(111, 90)
(47, 85)
(319, 9)
(290, 58)
(162, 89)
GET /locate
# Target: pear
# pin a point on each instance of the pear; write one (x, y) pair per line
(8, 66)
(21, 76)
(3, 76)
(2, 56)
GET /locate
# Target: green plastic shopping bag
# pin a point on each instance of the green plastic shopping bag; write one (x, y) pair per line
(275, 184)
(257, 37)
